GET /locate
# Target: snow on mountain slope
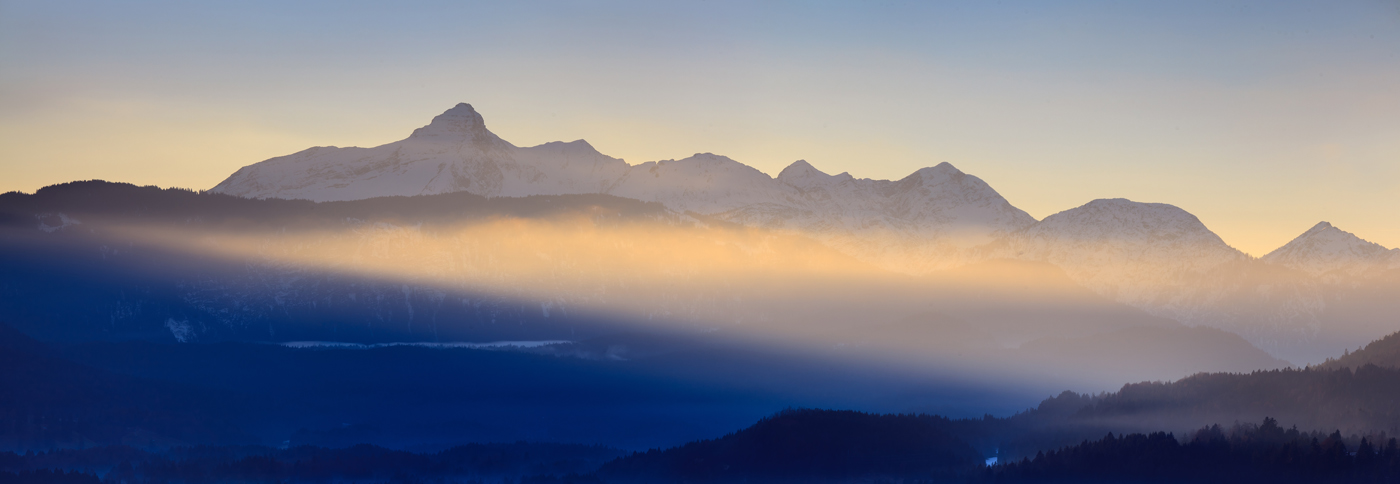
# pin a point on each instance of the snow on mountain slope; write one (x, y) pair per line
(703, 183)
(1124, 247)
(927, 220)
(453, 153)
(935, 202)
(931, 216)
(1325, 250)
(1162, 259)
(1151, 256)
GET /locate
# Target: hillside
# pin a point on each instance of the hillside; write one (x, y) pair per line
(809, 446)
(1384, 352)
(52, 402)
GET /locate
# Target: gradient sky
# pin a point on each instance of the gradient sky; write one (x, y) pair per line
(1262, 118)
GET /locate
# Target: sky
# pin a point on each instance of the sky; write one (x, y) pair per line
(1262, 118)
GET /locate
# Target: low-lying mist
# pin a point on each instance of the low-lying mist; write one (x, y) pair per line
(590, 272)
(385, 319)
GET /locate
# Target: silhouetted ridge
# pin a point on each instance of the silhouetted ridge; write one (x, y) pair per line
(809, 446)
(1384, 352)
(1247, 453)
(128, 202)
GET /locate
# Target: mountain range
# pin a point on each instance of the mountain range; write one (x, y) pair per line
(1152, 256)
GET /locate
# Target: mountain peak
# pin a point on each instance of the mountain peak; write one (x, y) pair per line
(1327, 231)
(932, 175)
(1325, 248)
(462, 113)
(801, 173)
(461, 122)
(944, 166)
(941, 169)
(1319, 228)
(461, 108)
(1120, 218)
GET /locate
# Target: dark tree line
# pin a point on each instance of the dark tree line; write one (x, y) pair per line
(1356, 401)
(124, 202)
(792, 446)
(1384, 352)
(810, 446)
(47, 476)
(1360, 400)
(1264, 453)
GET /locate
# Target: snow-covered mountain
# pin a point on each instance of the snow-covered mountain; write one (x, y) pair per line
(453, 153)
(1123, 247)
(931, 216)
(1127, 250)
(1163, 260)
(1155, 257)
(1330, 252)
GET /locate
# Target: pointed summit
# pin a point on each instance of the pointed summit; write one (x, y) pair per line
(462, 122)
(1319, 228)
(933, 175)
(802, 174)
(1325, 248)
(462, 114)
(944, 167)
(799, 168)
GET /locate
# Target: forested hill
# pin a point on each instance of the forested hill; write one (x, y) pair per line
(810, 446)
(47, 401)
(124, 202)
(1359, 401)
(1246, 453)
(1384, 352)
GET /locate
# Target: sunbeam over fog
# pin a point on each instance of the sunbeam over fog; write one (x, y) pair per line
(832, 243)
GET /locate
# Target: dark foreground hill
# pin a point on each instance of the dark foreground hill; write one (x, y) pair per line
(1247, 453)
(807, 446)
(810, 446)
(1359, 402)
(159, 395)
(47, 401)
(362, 463)
(833, 446)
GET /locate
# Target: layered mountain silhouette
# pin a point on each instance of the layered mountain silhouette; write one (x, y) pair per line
(1153, 256)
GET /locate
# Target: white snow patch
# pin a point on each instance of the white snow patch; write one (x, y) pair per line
(457, 344)
(64, 222)
(181, 330)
